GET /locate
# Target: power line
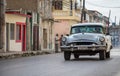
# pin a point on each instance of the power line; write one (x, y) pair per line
(101, 5)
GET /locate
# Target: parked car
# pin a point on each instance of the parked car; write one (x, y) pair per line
(87, 39)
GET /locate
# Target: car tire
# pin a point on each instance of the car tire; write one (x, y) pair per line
(67, 55)
(102, 55)
(108, 54)
(76, 56)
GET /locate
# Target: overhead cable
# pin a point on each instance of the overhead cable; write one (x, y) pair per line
(101, 5)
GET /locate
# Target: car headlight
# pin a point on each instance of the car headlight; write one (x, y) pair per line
(64, 39)
(71, 45)
(102, 39)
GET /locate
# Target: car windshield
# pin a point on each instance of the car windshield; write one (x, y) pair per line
(87, 29)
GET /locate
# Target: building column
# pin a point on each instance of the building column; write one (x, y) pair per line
(28, 46)
(2, 24)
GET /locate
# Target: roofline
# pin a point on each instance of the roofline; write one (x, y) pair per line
(80, 24)
(17, 13)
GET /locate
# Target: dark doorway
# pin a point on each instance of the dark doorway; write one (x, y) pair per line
(24, 38)
(45, 38)
(36, 38)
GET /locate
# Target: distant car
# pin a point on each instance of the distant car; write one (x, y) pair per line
(87, 39)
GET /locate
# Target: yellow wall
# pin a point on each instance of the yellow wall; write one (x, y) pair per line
(11, 18)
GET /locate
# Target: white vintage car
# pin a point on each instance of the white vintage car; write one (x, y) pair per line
(87, 39)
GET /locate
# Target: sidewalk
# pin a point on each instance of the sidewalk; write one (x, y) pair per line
(9, 55)
(116, 49)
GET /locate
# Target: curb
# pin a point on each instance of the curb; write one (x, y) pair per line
(23, 54)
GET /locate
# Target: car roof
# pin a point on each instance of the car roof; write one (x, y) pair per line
(87, 24)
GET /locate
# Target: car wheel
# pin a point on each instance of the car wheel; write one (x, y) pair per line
(76, 56)
(67, 55)
(102, 55)
(108, 54)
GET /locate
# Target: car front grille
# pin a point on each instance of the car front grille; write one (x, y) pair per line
(83, 43)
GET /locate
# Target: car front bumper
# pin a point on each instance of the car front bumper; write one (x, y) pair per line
(83, 48)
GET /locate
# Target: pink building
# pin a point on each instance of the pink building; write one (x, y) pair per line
(62, 27)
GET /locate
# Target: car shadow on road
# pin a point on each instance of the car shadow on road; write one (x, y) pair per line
(89, 59)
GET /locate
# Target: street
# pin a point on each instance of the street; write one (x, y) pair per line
(55, 65)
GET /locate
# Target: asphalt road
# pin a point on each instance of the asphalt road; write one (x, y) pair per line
(55, 65)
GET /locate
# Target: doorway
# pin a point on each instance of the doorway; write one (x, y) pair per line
(36, 38)
(45, 38)
(21, 34)
(24, 38)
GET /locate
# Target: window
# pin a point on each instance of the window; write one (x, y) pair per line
(12, 31)
(71, 5)
(87, 29)
(75, 5)
(18, 32)
(58, 5)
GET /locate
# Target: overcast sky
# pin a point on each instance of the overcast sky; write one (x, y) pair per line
(103, 6)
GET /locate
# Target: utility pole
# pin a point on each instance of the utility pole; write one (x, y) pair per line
(83, 14)
(71, 8)
(115, 31)
(109, 21)
(80, 6)
(115, 20)
(119, 22)
(2, 23)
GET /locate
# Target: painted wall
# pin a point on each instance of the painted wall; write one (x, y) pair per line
(15, 46)
(63, 27)
(12, 18)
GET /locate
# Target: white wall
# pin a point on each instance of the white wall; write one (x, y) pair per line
(12, 18)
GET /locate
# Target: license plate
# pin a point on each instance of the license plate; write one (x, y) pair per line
(82, 48)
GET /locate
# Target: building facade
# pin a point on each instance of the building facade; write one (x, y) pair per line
(47, 38)
(39, 25)
(115, 33)
(65, 13)
(15, 31)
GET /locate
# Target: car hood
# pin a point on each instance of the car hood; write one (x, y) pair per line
(84, 37)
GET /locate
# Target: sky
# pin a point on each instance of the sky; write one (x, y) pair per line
(104, 6)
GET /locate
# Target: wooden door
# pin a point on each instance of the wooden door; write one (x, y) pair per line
(36, 38)
(45, 38)
(23, 38)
